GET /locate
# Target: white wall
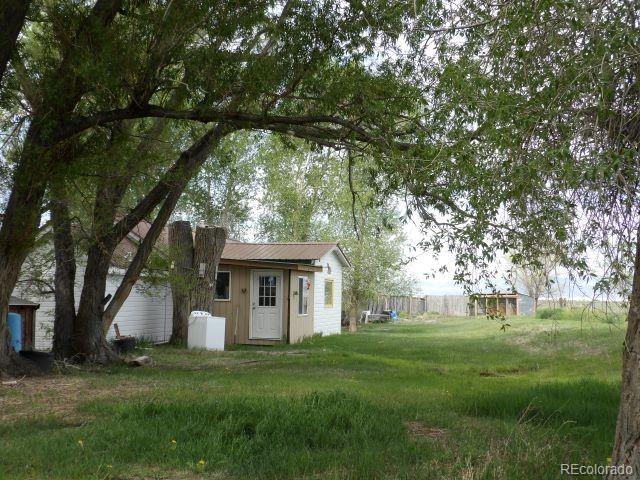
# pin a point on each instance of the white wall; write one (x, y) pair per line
(327, 320)
(141, 315)
(146, 313)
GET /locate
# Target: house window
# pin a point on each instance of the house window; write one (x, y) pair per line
(223, 286)
(328, 293)
(303, 295)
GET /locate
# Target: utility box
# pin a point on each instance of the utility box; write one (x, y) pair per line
(205, 331)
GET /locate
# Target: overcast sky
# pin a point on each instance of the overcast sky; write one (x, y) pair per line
(426, 263)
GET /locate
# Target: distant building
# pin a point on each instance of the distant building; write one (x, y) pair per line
(501, 303)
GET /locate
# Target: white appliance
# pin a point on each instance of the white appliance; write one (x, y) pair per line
(205, 331)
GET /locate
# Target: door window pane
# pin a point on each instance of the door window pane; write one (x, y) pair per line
(267, 290)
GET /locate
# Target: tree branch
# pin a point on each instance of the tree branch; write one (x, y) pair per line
(278, 123)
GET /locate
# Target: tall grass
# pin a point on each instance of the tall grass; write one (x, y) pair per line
(580, 314)
(504, 405)
(255, 437)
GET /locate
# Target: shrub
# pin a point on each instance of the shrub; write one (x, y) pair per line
(546, 313)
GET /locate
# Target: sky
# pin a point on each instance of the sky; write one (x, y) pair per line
(425, 263)
(428, 281)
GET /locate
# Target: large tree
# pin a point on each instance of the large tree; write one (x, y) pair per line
(304, 69)
(537, 112)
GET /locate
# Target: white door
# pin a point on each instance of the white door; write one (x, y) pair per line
(266, 304)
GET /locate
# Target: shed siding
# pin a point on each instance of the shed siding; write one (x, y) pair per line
(236, 311)
(301, 326)
(327, 320)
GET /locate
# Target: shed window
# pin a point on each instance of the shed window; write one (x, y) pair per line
(223, 286)
(328, 292)
(303, 295)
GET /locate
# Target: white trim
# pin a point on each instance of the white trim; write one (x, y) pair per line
(277, 273)
(340, 254)
(224, 299)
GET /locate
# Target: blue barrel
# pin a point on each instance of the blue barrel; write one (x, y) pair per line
(14, 321)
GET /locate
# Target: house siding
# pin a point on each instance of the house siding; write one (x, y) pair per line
(327, 320)
(141, 315)
(144, 313)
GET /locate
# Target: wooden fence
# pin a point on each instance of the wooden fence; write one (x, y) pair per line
(451, 305)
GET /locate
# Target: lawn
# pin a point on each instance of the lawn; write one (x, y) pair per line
(428, 398)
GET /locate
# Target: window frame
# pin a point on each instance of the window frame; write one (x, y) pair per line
(333, 292)
(216, 299)
(300, 295)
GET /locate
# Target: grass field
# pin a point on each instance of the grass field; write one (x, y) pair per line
(430, 398)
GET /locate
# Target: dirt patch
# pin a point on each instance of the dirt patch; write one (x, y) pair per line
(58, 396)
(277, 353)
(486, 373)
(195, 365)
(418, 430)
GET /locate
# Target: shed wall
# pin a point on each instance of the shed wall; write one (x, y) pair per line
(236, 311)
(301, 326)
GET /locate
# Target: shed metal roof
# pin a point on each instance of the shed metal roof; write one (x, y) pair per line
(281, 251)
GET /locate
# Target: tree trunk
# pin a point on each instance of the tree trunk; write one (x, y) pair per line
(21, 216)
(88, 337)
(170, 189)
(353, 318)
(181, 250)
(626, 450)
(20, 223)
(12, 16)
(140, 258)
(208, 247)
(65, 278)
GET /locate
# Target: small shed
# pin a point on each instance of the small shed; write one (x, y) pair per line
(500, 303)
(279, 292)
(27, 311)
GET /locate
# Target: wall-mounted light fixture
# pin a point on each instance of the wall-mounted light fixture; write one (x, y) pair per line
(328, 268)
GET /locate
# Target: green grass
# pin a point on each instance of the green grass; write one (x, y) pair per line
(504, 405)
